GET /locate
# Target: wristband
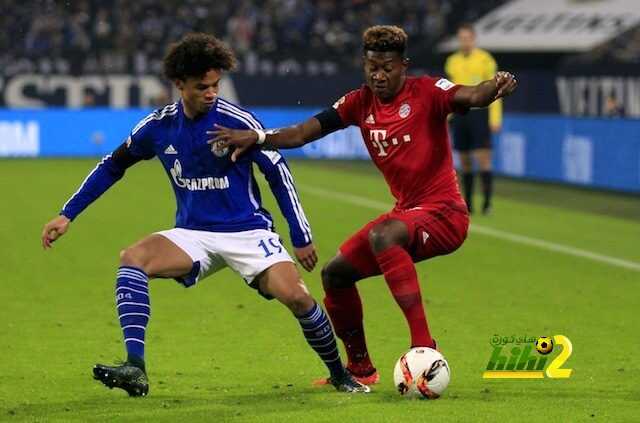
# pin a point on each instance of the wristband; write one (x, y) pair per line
(261, 136)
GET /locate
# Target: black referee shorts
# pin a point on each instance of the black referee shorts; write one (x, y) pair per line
(471, 130)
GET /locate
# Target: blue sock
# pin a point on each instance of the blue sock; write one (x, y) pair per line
(319, 334)
(134, 309)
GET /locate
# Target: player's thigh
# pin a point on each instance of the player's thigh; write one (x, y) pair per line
(200, 248)
(250, 253)
(437, 231)
(282, 281)
(388, 233)
(158, 257)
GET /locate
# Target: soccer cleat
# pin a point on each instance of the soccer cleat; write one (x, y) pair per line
(130, 378)
(364, 372)
(348, 383)
(369, 379)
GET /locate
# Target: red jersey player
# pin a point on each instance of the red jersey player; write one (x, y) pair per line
(403, 121)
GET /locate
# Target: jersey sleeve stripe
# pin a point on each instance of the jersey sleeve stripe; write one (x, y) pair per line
(231, 108)
(252, 198)
(169, 110)
(237, 117)
(105, 158)
(273, 155)
(293, 196)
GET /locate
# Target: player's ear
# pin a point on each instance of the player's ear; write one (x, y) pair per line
(179, 84)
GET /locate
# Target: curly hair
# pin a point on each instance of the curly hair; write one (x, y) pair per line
(196, 54)
(383, 38)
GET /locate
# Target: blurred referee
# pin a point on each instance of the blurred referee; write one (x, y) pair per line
(472, 132)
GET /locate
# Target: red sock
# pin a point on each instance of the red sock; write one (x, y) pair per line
(345, 310)
(402, 279)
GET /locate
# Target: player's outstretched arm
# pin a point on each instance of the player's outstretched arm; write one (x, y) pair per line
(485, 93)
(109, 171)
(289, 137)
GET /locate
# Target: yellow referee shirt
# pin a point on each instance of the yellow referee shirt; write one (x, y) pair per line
(472, 69)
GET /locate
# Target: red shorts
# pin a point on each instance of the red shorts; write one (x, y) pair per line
(434, 230)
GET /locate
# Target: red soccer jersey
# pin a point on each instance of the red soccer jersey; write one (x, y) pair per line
(407, 138)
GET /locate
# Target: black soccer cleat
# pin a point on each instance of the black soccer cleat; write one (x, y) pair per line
(130, 378)
(347, 383)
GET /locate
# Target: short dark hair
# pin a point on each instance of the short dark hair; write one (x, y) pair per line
(467, 27)
(196, 54)
(383, 38)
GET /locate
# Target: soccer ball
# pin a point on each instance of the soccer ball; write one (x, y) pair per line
(544, 345)
(422, 373)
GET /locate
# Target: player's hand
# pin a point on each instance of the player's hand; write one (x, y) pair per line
(241, 139)
(506, 83)
(307, 257)
(54, 230)
(496, 129)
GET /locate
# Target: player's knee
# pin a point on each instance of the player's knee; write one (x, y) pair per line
(329, 276)
(133, 257)
(333, 277)
(299, 302)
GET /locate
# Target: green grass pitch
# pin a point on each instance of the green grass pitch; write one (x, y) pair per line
(218, 352)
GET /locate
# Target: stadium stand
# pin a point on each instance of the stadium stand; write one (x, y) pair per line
(118, 36)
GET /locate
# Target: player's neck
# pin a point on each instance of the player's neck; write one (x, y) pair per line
(190, 112)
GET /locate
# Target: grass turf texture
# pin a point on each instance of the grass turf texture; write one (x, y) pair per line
(218, 352)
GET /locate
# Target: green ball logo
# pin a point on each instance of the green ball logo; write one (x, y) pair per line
(544, 345)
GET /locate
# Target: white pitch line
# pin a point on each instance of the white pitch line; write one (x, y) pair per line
(484, 230)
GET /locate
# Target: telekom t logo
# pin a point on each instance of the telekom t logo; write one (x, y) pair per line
(379, 139)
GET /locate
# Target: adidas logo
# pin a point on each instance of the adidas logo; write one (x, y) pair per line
(170, 150)
(370, 120)
(425, 237)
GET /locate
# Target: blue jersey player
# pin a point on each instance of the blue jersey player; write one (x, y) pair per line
(219, 219)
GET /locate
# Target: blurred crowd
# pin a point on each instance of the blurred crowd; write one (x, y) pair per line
(270, 36)
(625, 48)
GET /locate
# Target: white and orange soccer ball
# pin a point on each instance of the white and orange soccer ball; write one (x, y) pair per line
(422, 373)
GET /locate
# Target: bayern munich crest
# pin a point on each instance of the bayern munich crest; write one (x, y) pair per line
(404, 111)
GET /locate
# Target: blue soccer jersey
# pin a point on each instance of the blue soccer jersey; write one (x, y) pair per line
(212, 192)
